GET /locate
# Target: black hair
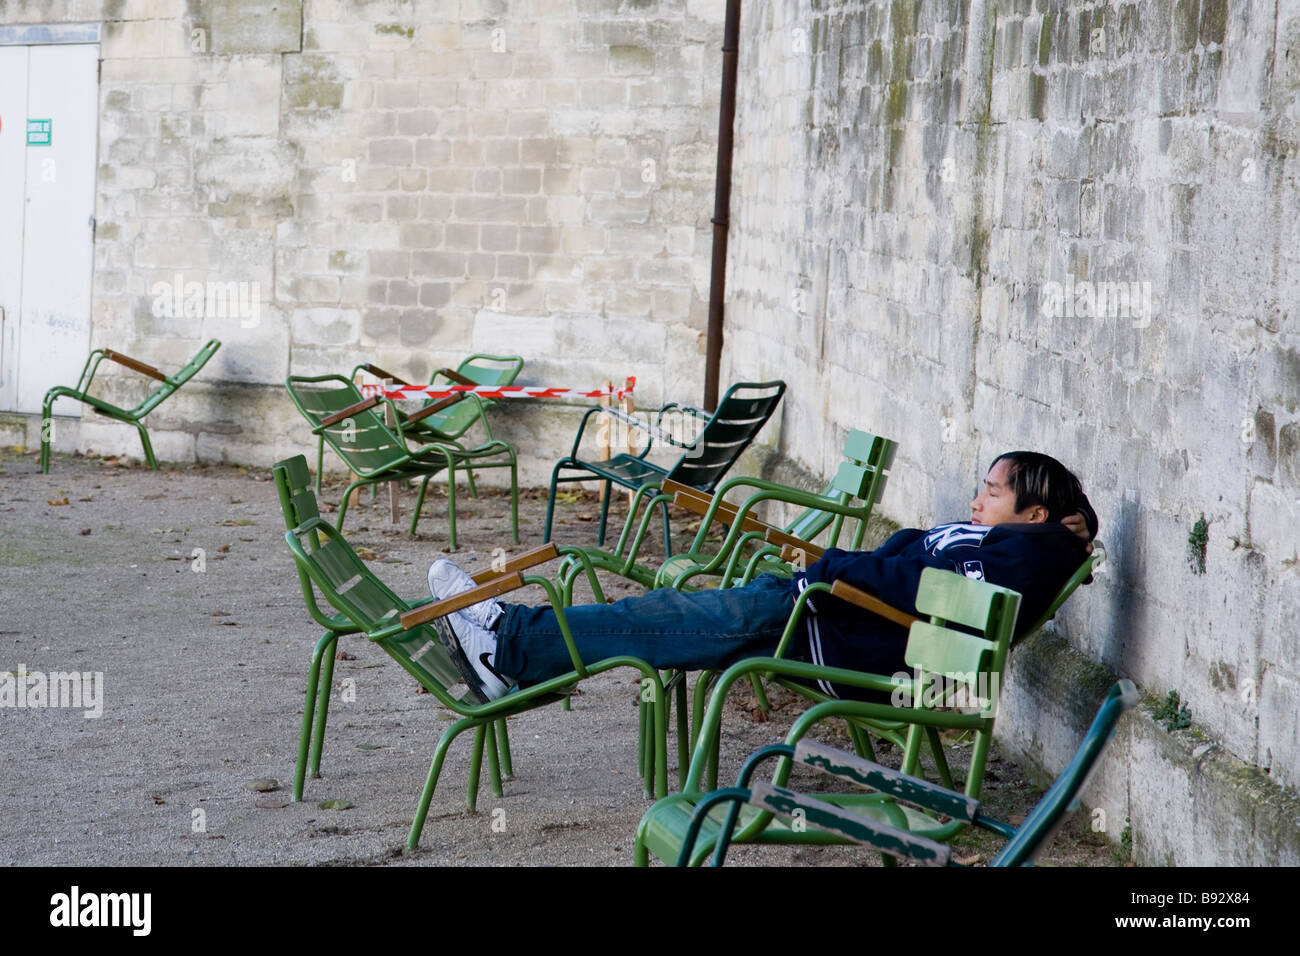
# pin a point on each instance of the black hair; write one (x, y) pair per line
(1038, 479)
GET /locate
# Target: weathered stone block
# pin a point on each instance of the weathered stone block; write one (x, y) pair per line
(260, 27)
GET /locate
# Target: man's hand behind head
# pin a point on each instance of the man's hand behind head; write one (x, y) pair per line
(1079, 525)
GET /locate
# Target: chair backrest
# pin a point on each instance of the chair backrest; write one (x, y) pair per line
(862, 475)
(1082, 576)
(457, 419)
(957, 668)
(293, 485)
(1063, 795)
(362, 440)
(324, 559)
(173, 382)
(743, 411)
(949, 598)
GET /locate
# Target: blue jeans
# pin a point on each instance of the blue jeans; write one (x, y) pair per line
(666, 628)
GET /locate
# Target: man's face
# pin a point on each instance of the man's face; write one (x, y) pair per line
(996, 504)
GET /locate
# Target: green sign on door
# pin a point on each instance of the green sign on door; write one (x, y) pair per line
(40, 132)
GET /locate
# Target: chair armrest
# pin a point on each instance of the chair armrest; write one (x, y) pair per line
(528, 559)
(456, 377)
(582, 427)
(362, 406)
(869, 602)
(500, 585)
(134, 364)
(379, 373)
(790, 546)
(437, 406)
(922, 793)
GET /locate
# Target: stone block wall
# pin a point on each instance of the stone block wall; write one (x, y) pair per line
(401, 182)
(977, 226)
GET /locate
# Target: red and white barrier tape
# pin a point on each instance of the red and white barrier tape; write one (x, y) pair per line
(493, 391)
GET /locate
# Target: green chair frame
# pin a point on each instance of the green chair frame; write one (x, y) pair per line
(406, 631)
(130, 416)
(935, 651)
(859, 731)
(723, 437)
(1023, 845)
(862, 475)
(377, 453)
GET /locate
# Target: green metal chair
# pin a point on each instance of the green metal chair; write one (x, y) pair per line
(861, 476)
(378, 453)
(133, 416)
(1023, 845)
(406, 630)
(949, 665)
(860, 731)
(448, 418)
(724, 435)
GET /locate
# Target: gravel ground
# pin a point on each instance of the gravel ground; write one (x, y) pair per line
(203, 677)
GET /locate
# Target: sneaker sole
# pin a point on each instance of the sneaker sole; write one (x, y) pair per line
(452, 643)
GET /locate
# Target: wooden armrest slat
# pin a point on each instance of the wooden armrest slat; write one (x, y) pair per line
(501, 585)
(437, 406)
(361, 406)
(134, 364)
(528, 559)
(380, 373)
(457, 377)
(790, 544)
(872, 603)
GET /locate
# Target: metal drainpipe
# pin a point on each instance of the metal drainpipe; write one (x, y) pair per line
(721, 205)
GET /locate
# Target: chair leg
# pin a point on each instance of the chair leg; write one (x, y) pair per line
(469, 480)
(343, 502)
(503, 736)
(322, 708)
(148, 448)
(475, 767)
(320, 464)
(683, 731)
(940, 759)
(419, 503)
(514, 498)
(760, 695)
(431, 782)
(46, 423)
(323, 646)
(604, 512)
(668, 534)
(494, 759)
(550, 502)
(451, 505)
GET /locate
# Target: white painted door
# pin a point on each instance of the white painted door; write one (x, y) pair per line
(48, 150)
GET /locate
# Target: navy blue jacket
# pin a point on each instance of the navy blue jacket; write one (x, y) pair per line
(1033, 559)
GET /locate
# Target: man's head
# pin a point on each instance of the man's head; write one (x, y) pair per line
(1026, 487)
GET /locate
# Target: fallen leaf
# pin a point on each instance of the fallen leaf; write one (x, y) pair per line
(968, 860)
(224, 548)
(344, 656)
(585, 516)
(271, 804)
(86, 499)
(372, 746)
(155, 497)
(335, 805)
(84, 531)
(58, 501)
(263, 784)
(236, 522)
(158, 800)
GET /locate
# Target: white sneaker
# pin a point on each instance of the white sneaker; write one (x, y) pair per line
(473, 649)
(447, 580)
